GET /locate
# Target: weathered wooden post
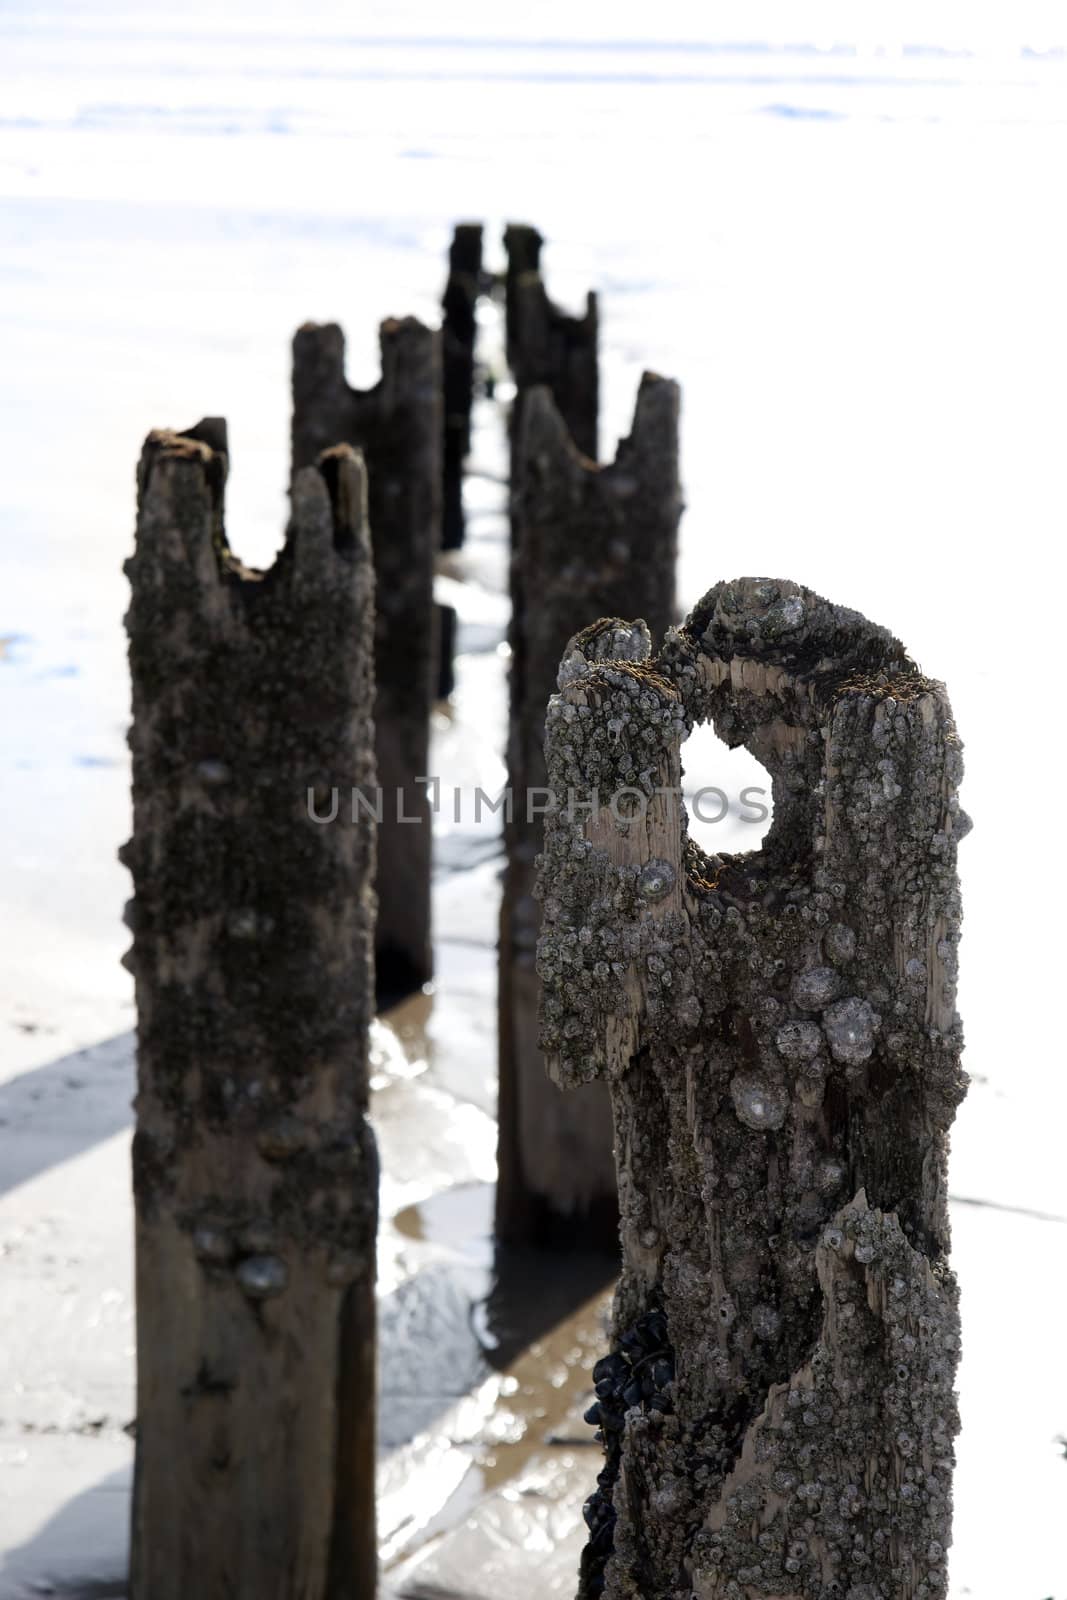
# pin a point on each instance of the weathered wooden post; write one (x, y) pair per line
(587, 541)
(458, 331)
(254, 1169)
(522, 247)
(397, 426)
(547, 346)
(446, 622)
(779, 1033)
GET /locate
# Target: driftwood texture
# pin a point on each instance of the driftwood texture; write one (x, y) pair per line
(458, 334)
(397, 426)
(779, 1033)
(255, 1173)
(588, 540)
(546, 345)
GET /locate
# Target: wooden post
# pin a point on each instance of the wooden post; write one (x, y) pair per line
(254, 1169)
(397, 426)
(522, 246)
(458, 331)
(588, 540)
(547, 346)
(447, 624)
(779, 1032)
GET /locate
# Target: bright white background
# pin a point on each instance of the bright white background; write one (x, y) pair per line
(841, 227)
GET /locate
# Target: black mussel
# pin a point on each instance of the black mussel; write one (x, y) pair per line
(631, 1395)
(613, 1367)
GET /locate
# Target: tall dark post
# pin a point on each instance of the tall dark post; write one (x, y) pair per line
(397, 426)
(254, 1169)
(546, 345)
(522, 245)
(458, 332)
(587, 540)
(780, 1036)
(447, 623)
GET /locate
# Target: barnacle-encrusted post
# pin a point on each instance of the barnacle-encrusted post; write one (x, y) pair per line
(546, 345)
(254, 1169)
(779, 1033)
(458, 330)
(397, 426)
(588, 540)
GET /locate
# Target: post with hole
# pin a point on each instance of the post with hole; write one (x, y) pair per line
(779, 1034)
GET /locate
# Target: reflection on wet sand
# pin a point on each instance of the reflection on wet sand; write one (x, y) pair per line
(485, 1353)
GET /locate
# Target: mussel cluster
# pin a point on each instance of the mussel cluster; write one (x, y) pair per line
(638, 1373)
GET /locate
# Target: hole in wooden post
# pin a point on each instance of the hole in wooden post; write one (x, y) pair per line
(727, 794)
